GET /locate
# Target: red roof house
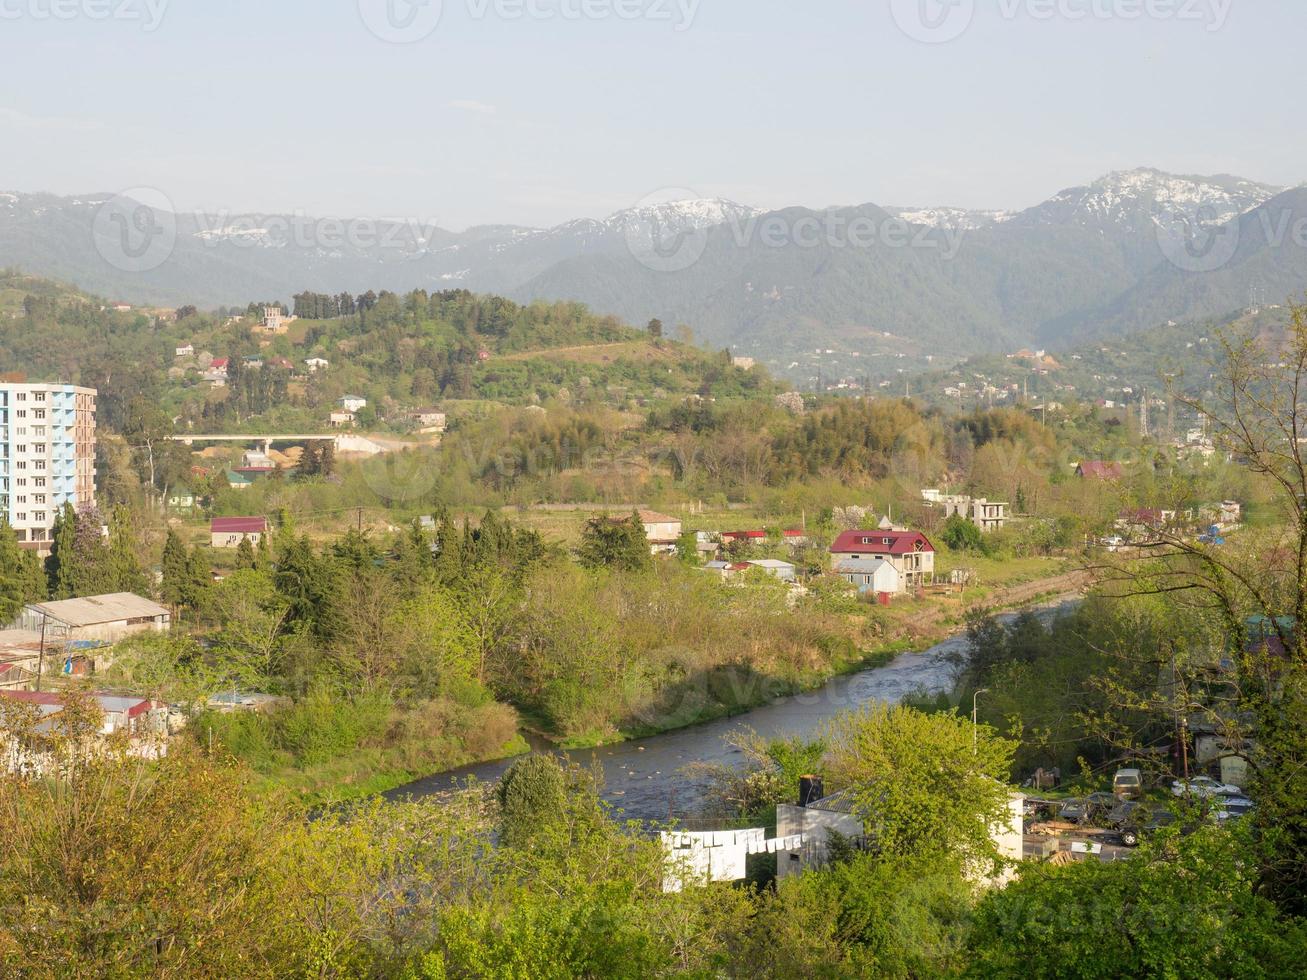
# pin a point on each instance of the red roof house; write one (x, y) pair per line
(910, 552)
(1097, 469)
(229, 532)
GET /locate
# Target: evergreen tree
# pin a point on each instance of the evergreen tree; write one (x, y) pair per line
(176, 570)
(60, 566)
(609, 543)
(123, 571)
(21, 579)
(245, 557)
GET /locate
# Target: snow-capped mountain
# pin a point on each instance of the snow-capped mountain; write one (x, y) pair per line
(961, 219)
(1108, 255)
(1124, 197)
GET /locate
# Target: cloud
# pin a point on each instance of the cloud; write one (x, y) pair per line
(22, 120)
(471, 105)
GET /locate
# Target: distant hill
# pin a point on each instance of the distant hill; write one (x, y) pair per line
(1130, 250)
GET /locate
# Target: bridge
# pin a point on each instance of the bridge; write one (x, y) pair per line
(344, 441)
(264, 441)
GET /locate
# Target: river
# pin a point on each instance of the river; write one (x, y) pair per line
(644, 778)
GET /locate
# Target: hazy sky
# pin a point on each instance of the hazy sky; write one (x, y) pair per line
(505, 114)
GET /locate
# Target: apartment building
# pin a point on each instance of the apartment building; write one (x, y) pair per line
(47, 455)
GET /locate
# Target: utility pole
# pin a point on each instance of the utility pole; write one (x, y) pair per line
(40, 656)
(975, 724)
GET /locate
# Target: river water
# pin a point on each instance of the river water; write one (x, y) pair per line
(644, 778)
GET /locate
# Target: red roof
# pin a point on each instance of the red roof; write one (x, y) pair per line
(1100, 470)
(239, 525)
(881, 543)
(219, 362)
(795, 533)
(739, 535)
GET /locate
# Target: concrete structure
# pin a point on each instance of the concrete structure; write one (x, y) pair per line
(910, 552)
(316, 364)
(874, 575)
(93, 619)
(342, 420)
(428, 421)
(47, 456)
(985, 514)
(229, 532)
(274, 321)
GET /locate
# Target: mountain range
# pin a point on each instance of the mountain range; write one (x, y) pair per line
(1130, 250)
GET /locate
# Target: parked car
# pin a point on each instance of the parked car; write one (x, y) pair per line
(1144, 822)
(1128, 784)
(1232, 807)
(1122, 814)
(1087, 810)
(1204, 786)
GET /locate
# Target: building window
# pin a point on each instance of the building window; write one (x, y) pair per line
(39, 396)
(37, 481)
(38, 516)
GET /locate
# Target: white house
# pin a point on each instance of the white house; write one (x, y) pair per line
(874, 575)
(229, 532)
(342, 420)
(783, 570)
(352, 403)
(187, 351)
(316, 364)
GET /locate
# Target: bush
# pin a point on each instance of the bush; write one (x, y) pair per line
(323, 725)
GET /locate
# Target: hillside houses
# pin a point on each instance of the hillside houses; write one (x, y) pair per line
(229, 532)
(910, 553)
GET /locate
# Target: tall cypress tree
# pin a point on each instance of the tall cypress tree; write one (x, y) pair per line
(21, 578)
(60, 566)
(123, 572)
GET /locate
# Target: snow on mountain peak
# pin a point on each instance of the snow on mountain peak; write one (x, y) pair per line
(1126, 194)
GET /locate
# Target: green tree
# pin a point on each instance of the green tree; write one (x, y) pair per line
(1184, 906)
(923, 783)
(123, 572)
(21, 577)
(961, 535)
(619, 544)
(532, 797)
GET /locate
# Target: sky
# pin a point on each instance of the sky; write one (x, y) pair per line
(538, 111)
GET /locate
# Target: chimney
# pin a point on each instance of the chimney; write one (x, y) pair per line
(810, 790)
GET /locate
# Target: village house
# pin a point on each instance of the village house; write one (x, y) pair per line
(662, 531)
(84, 623)
(316, 364)
(795, 538)
(871, 575)
(342, 420)
(186, 351)
(352, 403)
(229, 532)
(1098, 469)
(143, 722)
(910, 552)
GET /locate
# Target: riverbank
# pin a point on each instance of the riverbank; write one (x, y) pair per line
(910, 626)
